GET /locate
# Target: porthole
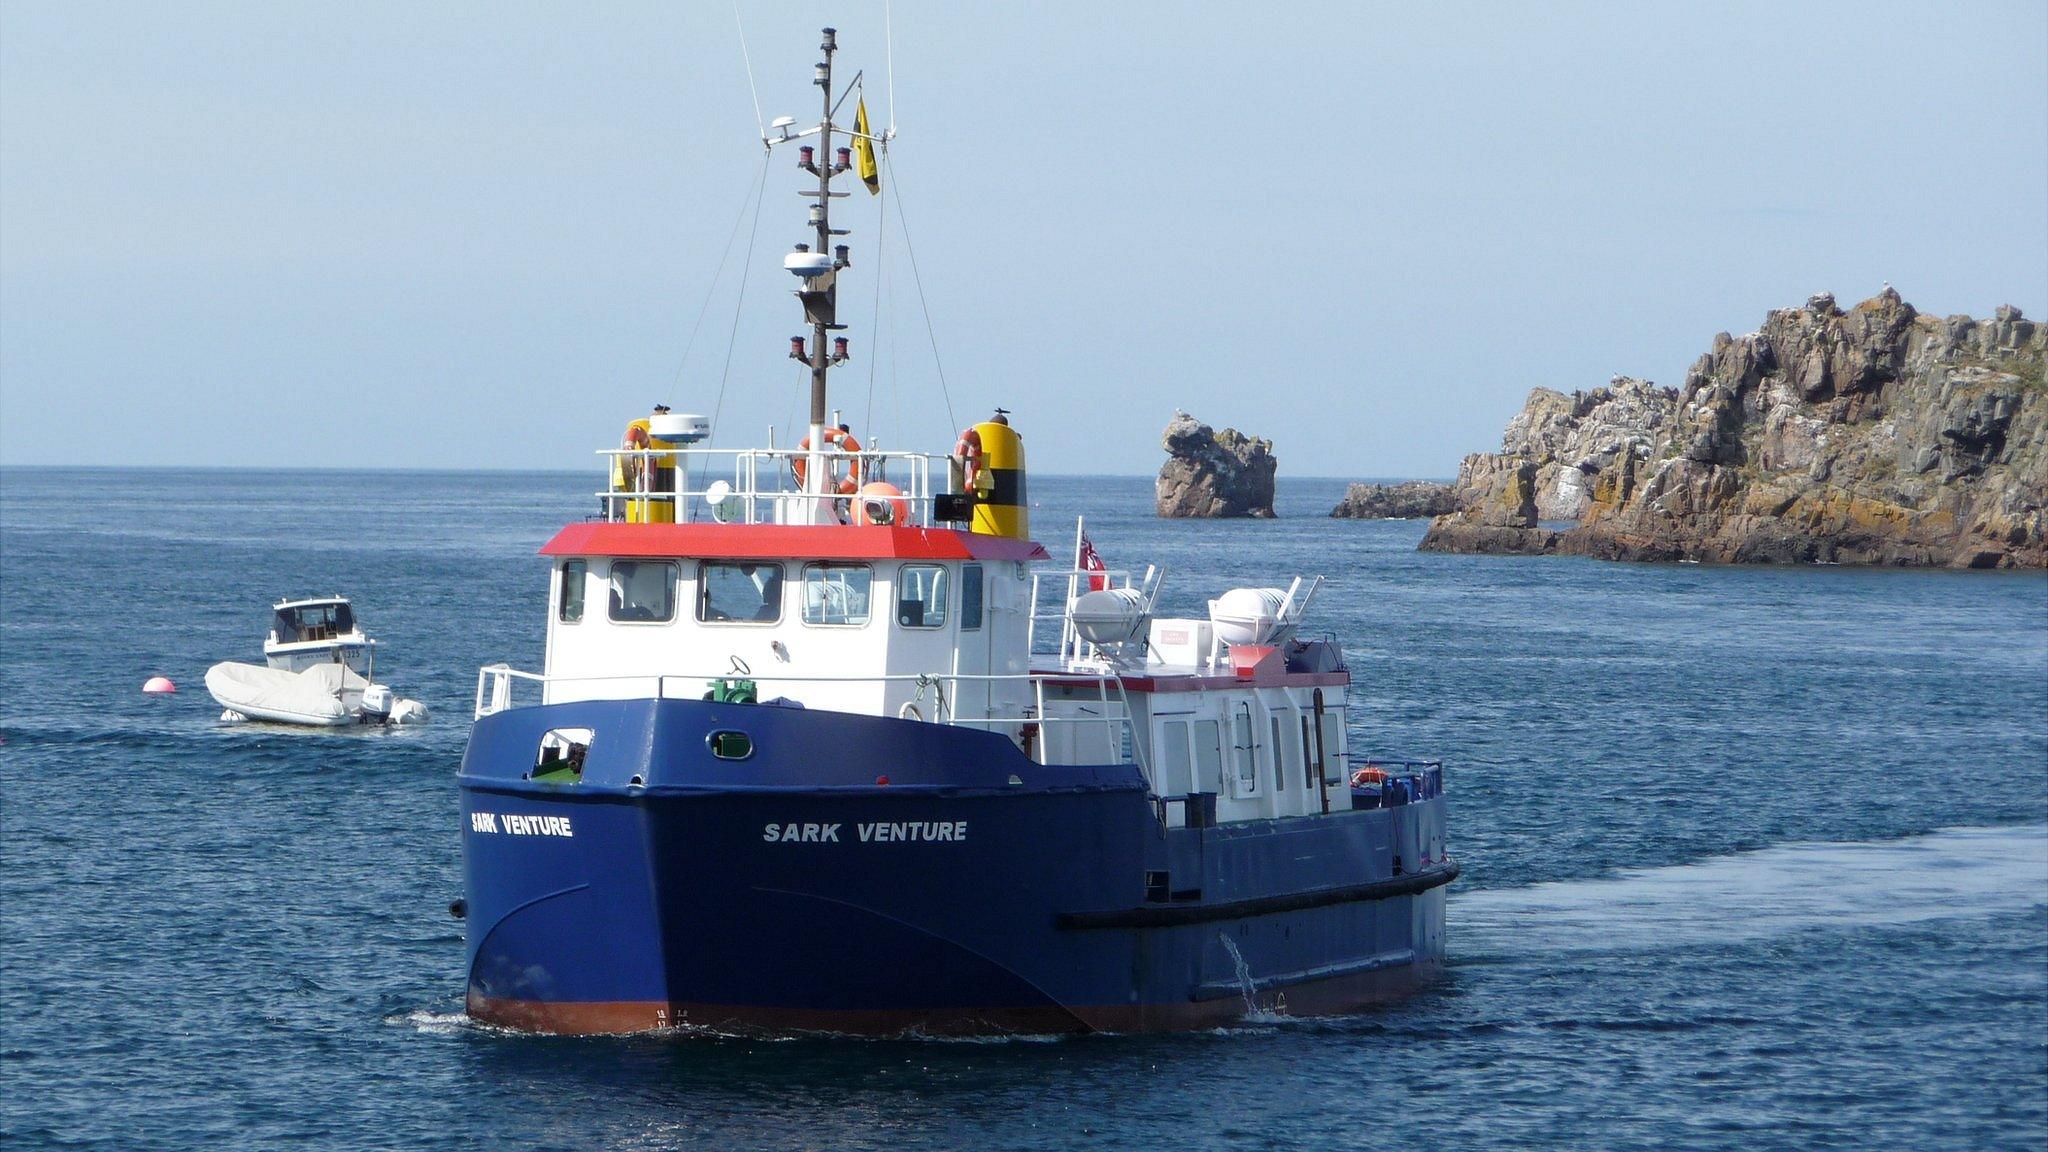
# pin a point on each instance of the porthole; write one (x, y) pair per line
(730, 744)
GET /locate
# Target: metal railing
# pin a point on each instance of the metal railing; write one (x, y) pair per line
(760, 486)
(1078, 582)
(1393, 783)
(495, 693)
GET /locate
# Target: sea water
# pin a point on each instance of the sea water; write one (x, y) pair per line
(1754, 857)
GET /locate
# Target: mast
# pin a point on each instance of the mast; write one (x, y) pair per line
(820, 272)
(821, 319)
(817, 265)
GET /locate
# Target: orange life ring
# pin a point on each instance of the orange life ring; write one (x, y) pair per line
(844, 441)
(967, 450)
(1368, 775)
(632, 469)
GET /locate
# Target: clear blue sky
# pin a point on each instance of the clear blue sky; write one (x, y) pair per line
(480, 235)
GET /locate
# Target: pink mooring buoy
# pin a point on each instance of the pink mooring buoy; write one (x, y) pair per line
(159, 686)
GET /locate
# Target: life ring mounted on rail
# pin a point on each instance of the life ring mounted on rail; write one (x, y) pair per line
(967, 451)
(841, 439)
(632, 470)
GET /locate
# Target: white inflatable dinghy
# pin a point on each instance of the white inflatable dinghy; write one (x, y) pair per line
(324, 695)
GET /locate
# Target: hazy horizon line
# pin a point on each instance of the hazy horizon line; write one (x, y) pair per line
(400, 468)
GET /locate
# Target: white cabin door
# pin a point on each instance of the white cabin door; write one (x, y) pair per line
(972, 657)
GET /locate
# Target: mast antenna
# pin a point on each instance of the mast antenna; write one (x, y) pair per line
(889, 65)
(748, 60)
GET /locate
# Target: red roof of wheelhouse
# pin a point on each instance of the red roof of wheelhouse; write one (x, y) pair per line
(786, 542)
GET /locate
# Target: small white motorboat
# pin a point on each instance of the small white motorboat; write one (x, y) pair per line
(318, 672)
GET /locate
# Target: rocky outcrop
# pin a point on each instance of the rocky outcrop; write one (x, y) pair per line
(1404, 501)
(1573, 438)
(1871, 436)
(1498, 494)
(1212, 473)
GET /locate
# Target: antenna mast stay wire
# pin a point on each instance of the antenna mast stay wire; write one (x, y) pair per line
(732, 337)
(903, 224)
(710, 290)
(875, 324)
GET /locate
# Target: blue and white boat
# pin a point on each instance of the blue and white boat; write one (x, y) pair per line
(823, 741)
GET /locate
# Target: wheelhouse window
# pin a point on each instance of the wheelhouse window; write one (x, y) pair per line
(837, 594)
(921, 596)
(971, 589)
(571, 608)
(643, 591)
(747, 592)
(308, 622)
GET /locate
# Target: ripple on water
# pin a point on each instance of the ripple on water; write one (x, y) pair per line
(1753, 857)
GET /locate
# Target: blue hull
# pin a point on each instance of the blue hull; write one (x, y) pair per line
(792, 891)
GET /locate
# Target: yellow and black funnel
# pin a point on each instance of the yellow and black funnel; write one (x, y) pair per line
(1001, 507)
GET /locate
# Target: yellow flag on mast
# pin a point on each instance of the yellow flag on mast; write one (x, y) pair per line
(864, 149)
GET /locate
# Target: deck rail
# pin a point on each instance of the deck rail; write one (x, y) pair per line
(760, 485)
(495, 692)
(1062, 588)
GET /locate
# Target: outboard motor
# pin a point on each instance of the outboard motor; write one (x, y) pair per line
(377, 700)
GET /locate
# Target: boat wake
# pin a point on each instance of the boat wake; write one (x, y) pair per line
(1952, 873)
(431, 1023)
(428, 1022)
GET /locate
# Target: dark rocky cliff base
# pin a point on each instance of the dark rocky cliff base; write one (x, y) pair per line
(1872, 436)
(1212, 473)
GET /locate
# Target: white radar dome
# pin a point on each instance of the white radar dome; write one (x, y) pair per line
(678, 427)
(808, 264)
